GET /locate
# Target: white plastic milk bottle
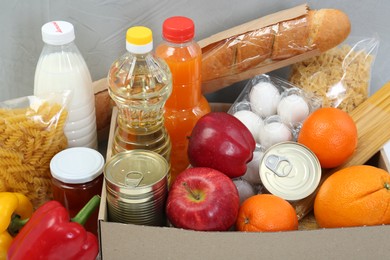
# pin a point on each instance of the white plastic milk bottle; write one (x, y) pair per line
(62, 67)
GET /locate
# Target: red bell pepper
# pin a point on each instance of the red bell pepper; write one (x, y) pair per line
(51, 234)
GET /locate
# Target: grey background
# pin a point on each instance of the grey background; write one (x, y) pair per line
(101, 25)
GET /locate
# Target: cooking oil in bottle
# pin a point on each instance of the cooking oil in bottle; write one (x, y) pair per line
(140, 83)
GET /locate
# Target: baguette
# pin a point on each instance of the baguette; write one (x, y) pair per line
(317, 30)
(103, 108)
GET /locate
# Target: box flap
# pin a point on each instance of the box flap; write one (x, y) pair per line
(142, 242)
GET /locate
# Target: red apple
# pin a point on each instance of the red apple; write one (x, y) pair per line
(202, 199)
(222, 142)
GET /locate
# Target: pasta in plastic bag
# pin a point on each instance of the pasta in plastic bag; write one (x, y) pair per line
(31, 133)
(340, 76)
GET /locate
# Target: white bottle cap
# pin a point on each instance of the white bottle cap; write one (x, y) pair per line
(77, 165)
(58, 32)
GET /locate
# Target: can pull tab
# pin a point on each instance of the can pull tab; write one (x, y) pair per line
(133, 178)
(280, 165)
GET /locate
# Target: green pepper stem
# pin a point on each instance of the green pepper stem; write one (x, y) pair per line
(16, 224)
(87, 210)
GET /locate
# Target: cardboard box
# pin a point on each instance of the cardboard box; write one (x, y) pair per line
(125, 241)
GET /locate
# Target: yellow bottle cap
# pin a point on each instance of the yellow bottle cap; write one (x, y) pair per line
(139, 35)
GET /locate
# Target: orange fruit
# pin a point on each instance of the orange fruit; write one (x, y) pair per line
(331, 134)
(354, 196)
(266, 213)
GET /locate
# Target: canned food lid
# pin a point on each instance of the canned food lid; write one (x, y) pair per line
(136, 169)
(77, 165)
(290, 170)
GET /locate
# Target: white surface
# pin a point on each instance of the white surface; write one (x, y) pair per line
(100, 28)
(386, 149)
(252, 121)
(293, 109)
(58, 33)
(77, 165)
(264, 99)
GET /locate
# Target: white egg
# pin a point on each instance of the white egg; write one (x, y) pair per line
(245, 189)
(273, 133)
(252, 173)
(293, 109)
(252, 121)
(264, 98)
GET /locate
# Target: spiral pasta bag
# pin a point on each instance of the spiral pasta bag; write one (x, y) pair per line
(29, 138)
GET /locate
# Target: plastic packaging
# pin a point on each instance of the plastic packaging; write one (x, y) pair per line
(273, 110)
(259, 47)
(280, 107)
(77, 175)
(140, 84)
(186, 104)
(341, 76)
(62, 67)
(31, 133)
(269, 43)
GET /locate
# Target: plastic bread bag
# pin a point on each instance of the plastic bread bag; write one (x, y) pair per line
(255, 48)
(341, 76)
(279, 40)
(31, 133)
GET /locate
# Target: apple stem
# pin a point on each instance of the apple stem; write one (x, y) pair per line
(196, 196)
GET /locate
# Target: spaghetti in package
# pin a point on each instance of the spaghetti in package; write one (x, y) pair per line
(31, 133)
(341, 76)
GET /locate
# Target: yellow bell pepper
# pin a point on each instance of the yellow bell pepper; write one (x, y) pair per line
(11, 204)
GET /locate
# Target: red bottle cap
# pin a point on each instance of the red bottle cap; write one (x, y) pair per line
(178, 29)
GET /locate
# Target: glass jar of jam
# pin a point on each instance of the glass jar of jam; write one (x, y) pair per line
(76, 178)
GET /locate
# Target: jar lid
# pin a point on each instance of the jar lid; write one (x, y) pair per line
(58, 32)
(139, 40)
(178, 29)
(77, 165)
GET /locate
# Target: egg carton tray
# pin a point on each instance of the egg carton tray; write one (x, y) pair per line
(273, 109)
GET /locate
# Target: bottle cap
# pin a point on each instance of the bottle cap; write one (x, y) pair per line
(178, 29)
(77, 165)
(139, 39)
(58, 32)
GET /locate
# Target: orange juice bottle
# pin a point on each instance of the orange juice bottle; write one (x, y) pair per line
(186, 104)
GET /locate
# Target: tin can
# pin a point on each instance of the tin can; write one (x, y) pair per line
(290, 170)
(137, 187)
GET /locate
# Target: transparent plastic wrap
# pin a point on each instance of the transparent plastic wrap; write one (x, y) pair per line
(31, 133)
(248, 53)
(273, 110)
(341, 76)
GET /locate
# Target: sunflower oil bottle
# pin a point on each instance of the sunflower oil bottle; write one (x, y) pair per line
(140, 83)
